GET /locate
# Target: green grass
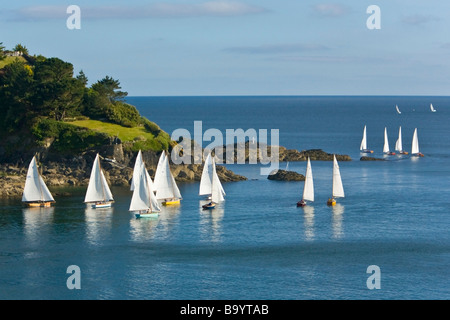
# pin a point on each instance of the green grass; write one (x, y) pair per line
(8, 60)
(115, 130)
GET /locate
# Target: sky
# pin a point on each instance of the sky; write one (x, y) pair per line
(243, 47)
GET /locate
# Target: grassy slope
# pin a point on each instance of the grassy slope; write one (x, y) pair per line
(115, 130)
(9, 60)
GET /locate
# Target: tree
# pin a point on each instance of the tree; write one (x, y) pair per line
(16, 92)
(20, 48)
(109, 88)
(58, 94)
(2, 51)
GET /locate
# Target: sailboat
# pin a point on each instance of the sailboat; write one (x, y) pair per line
(308, 188)
(398, 110)
(363, 146)
(98, 191)
(143, 201)
(136, 170)
(217, 192)
(398, 143)
(415, 145)
(164, 182)
(432, 108)
(338, 189)
(207, 178)
(35, 192)
(386, 144)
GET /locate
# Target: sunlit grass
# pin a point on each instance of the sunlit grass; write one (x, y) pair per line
(115, 130)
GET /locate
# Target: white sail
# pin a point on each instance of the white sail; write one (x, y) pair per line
(432, 108)
(165, 185)
(35, 188)
(136, 170)
(98, 189)
(338, 188)
(398, 143)
(386, 142)
(363, 145)
(308, 189)
(160, 174)
(143, 198)
(206, 179)
(415, 143)
(216, 187)
(398, 110)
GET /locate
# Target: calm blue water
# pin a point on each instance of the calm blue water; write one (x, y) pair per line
(258, 244)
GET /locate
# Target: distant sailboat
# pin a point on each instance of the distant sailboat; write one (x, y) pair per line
(35, 192)
(432, 108)
(98, 191)
(363, 146)
(398, 143)
(337, 189)
(398, 110)
(308, 188)
(143, 201)
(217, 192)
(415, 145)
(386, 144)
(164, 183)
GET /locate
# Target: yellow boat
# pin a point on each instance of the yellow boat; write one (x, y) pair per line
(39, 204)
(35, 192)
(171, 202)
(338, 189)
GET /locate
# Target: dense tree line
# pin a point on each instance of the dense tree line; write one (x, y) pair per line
(38, 87)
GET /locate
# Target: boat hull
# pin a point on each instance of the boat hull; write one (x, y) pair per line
(102, 205)
(39, 204)
(209, 206)
(171, 202)
(147, 215)
(366, 151)
(301, 203)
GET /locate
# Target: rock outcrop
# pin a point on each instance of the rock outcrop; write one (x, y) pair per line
(365, 158)
(283, 175)
(249, 152)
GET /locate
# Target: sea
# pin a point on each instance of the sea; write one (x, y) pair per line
(387, 239)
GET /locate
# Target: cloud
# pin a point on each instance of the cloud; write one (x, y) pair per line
(276, 48)
(419, 19)
(330, 9)
(217, 8)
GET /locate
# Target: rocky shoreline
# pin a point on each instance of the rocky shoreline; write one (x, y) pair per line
(59, 171)
(117, 166)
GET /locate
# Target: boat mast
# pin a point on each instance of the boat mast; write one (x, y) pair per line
(101, 180)
(40, 184)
